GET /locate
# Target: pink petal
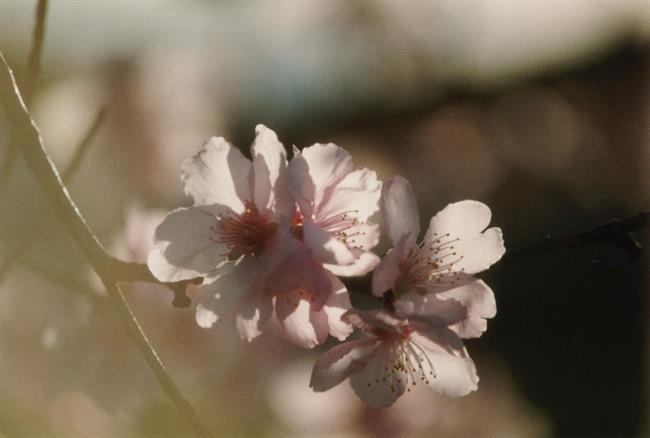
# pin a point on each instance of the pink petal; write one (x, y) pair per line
(478, 299)
(270, 174)
(299, 270)
(341, 362)
(400, 209)
(184, 248)
(218, 174)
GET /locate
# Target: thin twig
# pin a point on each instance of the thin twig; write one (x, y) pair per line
(107, 267)
(140, 338)
(31, 84)
(616, 232)
(80, 152)
(34, 60)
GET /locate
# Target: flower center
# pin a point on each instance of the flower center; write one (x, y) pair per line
(297, 227)
(341, 225)
(405, 362)
(245, 233)
(431, 264)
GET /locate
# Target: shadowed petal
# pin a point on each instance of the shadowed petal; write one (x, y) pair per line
(478, 299)
(449, 369)
(315, 171)
(386, 274)
(326, 247)
(218, 174)
(270, 173)
(341, 362)
(374, 385)
(185, 246)
(400, 209)
(303, 327)
(335, 308)
(436, 312)
(358, 192)
(361, 265)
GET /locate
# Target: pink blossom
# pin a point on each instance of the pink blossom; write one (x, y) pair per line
(242, 237)
(395, 356)
(456, 245)
(334, 205)
(232, 235)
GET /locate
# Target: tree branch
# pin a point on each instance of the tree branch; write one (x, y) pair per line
(34, 60)
(616, 232)
(108, 268)
(15, 254)
(33, 75)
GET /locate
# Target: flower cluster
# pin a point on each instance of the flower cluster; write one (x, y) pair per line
(272, 236)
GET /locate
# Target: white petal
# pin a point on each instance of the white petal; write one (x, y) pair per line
(302, 326)
(374, 385)
(436, 312)
(335, 308)
(184, 248)
(363, 237)
(252, 311)
(210, 304)
(357, 194)
(218, 174)
(478, 299)
(463, 223)
(447, 367)
(205, 316)
(315, 171)
(361, 265)
(464, 220)
(270, 173)
(481, 252)
(386, 274)
(326, 247)
(400, 209)
(359, 239)
(370, 319)
(341, 362)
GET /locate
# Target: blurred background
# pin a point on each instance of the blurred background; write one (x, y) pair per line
(539, 109)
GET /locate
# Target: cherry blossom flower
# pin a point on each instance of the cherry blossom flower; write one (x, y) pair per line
(395, 356)
(239, 237)
(335, 202)
(232, 234)
(425, 276)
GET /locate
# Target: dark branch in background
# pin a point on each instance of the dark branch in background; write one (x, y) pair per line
(31, 84)
(617, 233)
(80, 152)
(109, 269)
(34, 60)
